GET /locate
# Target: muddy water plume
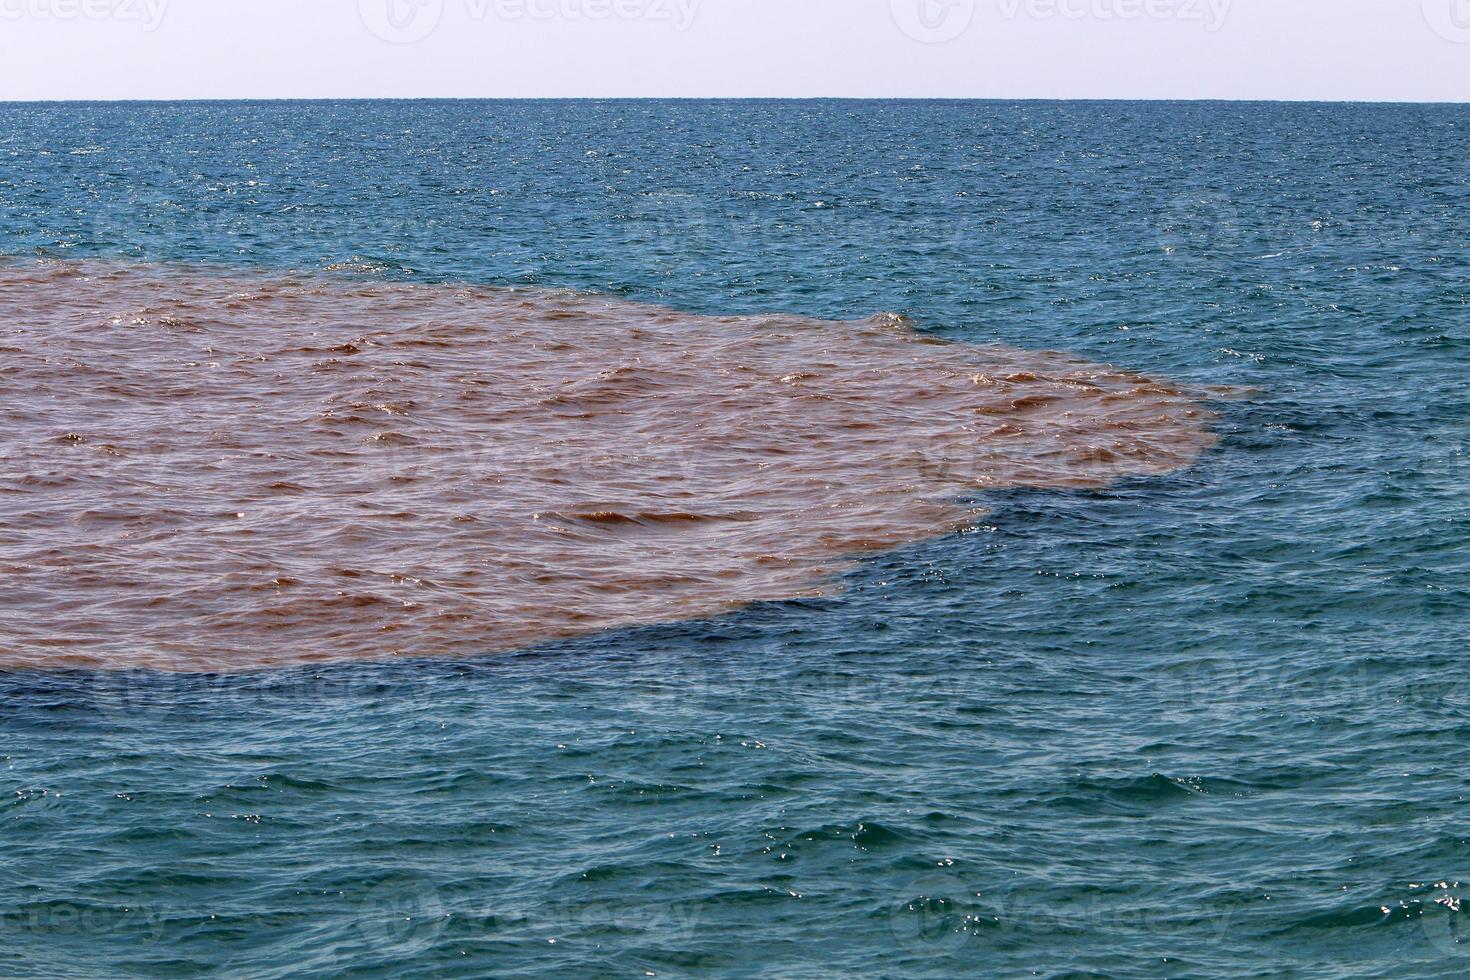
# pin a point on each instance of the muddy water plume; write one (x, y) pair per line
(227, 471)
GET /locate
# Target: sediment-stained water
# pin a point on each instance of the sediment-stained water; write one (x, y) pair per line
(226, 471)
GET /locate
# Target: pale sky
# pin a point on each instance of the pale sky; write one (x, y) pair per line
(1384, 50)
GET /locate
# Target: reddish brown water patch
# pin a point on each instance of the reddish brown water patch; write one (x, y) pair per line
(224, 472)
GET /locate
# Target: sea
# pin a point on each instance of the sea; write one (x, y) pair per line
(734, 538)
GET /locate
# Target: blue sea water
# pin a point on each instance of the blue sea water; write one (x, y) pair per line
(1209, 724)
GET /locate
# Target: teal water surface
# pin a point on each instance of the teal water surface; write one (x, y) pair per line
(1209, 724)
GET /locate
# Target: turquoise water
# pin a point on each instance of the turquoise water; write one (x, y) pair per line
(1208, 724)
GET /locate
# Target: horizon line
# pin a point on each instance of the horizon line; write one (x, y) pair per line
(731, 98)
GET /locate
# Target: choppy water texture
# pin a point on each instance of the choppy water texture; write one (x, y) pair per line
(1157, 707)
(226, 473)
